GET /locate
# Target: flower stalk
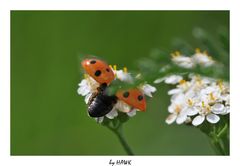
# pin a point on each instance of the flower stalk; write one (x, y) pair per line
(218, 136)
(116, 126)
(119, 134)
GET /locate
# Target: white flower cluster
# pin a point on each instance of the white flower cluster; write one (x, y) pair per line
(199, 58)
(88, 86)
(198, 99)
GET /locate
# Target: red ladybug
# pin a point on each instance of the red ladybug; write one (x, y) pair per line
(99, 70)
(133, 97)
(101, 103)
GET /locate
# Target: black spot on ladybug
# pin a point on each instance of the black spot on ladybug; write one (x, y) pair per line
(92, 61)
(98, 73)
(140, 97)
(126, 94)
(107, 70)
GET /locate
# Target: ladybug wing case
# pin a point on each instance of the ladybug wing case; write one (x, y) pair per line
(133, 97)
(98, 70)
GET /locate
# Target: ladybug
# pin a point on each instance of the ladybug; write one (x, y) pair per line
(101, 103)
(98, 70)
(133, 97)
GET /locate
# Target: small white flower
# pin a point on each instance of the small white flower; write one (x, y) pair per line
(148, 89)
(123, 76)
(202, 59)
(87, 87)
(183, 61)
(84, 88)
(182, 87)
(199, 58)
(177, 110)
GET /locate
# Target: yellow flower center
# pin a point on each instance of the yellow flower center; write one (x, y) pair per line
(177, 109)
(205, 53)
(181, 82)
(211, 96)
(220, 84)
(125, 70)
(115, 67)
(208, 109)
(190, 102)
(85, 76)
(175, 54)
(197, 50)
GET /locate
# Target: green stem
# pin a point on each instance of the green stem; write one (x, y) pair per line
(216, 140)
(217, 147)
(119, 133)
(223, 131)
(123, 141)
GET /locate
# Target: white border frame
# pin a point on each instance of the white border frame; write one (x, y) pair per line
(7, 5)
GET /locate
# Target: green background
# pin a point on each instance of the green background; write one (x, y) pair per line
(47, 115)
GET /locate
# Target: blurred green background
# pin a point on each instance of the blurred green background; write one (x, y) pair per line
(47, 115)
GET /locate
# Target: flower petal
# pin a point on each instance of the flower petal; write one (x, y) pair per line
(173, 79)
(112, 114)
(159, 80)
(203, 59)
(181, 118)
(87, 97)
(122, 106)
(124, 76)
(226, 110)
(132, 113)
(83, 88)
(188, 120)
(171, 118)
(183, 61)
(174, 91)
(218, 108)
(198, 120)
(212, 118)
(99, 119)
(148, 89)
(192, 111)
(171, 108)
